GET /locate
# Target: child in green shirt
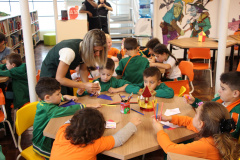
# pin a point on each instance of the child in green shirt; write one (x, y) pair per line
(152, 78)
(49, 91)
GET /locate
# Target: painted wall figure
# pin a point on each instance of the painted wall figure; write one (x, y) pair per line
(170, 28)
(201, 20)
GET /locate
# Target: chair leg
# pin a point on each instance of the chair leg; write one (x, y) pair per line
(14, 119)
(210, 72)
(10, 127)
(18, 156)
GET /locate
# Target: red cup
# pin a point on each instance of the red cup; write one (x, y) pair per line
(125, 107)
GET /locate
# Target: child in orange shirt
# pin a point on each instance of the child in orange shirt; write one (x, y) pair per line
(112, 52)
(213, 123)
(83, 137)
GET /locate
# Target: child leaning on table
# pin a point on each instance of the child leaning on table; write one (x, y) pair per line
(49, 91)
(132, 67)
(213, 124)
(229, 96)
(4, 50)
(164, 59)
(152, 78)
(85, 142)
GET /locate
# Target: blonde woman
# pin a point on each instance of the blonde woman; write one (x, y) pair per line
(68, 54)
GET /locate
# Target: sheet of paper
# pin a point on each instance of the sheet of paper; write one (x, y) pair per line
(169, 124)
(110, 124)
(170, 112)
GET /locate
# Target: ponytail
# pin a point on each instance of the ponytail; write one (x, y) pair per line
(227, 146)
(161, 48)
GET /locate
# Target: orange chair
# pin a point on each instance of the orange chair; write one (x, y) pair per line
(38, 75)
(176, 86)
(3, 116)
(238, 68)
(201, 53)
(186, 68)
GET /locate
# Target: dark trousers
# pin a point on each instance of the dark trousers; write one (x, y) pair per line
(94, 23)
(104, 24)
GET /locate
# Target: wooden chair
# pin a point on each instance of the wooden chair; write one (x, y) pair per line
(24, 120)
(3, 116)
(201, 53)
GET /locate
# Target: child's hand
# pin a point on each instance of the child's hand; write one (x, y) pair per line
(112, 90)
(80, 91)
(157, 126)
(189, 99)
(153, 59)
(96, 105)
(136, 121)
(163, 117)
(68, 97)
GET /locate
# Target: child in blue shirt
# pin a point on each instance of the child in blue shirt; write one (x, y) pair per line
(4, 51)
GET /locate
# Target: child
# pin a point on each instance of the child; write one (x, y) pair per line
(112, 52)
(229, 96)
(49, 92)
(4, 51)
(164, 59)
(213, 124)
(85, 142)
(152, 79)
(132, 67)
(151, 44)
(109, 83)
(17, 91)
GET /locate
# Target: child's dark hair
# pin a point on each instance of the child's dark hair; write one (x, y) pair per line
(2, 37)
(214, 115)
(231, 79)
(152, 71)
(86, 125)
(100, 2)
(130, 43)
(110, 65)
(152, 43)
(47, 86)
(14, 58)
(161, 48)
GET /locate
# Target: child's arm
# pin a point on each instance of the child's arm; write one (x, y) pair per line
(191, 100)
(160, 65)
(126, 132)
(115, 90)
(164, 91)
(6, 73)
(119, 68)
(134, 88)
(68, 98)
(96, 105)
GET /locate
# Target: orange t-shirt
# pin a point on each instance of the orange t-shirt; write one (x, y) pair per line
(113, 52)
(62, 148)
(203, 148)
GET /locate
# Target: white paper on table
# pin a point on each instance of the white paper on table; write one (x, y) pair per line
(170, 112)
(169, 124)
(110, 124)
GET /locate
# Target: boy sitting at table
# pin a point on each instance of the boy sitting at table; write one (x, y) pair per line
(229, 96)
(85, 142)
(107, 81)
(152, 78)
(17, 90)
(132, 67)
(49, 91)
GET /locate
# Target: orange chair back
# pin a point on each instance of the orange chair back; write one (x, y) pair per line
(72, 71)
(176, 86)
(38, 75)
(186, 68)
(238, 69)
(199, 53)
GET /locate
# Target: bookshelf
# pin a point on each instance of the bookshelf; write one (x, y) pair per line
(11, 26)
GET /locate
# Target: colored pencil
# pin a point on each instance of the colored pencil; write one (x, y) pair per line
(109, 105)
(157, 111)
(137, 111)
(161, 112)
(154, 110)
(121, 97)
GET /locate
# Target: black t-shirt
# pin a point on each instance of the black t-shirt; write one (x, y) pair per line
(102, 11)
(90, 8)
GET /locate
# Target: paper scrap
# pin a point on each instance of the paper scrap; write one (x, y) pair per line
(169, 124)
(170, 112)
(103, 96)
(110, 124)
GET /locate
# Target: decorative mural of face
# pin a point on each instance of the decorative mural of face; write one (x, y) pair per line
(177, 10)
(193, 11)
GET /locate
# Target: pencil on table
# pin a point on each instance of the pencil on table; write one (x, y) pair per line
(161, 112)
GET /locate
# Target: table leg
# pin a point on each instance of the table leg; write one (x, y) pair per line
(213, 59)
(185, 54)
(231, 58)
(171, 47)
(238, 54)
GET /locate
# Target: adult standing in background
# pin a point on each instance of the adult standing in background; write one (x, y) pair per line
(103, 8)
(68, 54)
(90, 7)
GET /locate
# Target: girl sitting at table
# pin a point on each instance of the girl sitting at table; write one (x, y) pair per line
(83, 138)
(164, 59)
(213, 124)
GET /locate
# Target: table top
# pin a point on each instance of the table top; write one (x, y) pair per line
(3, 79)
(236, 38)
(145, 139)
(193, 43)
(175, 156)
